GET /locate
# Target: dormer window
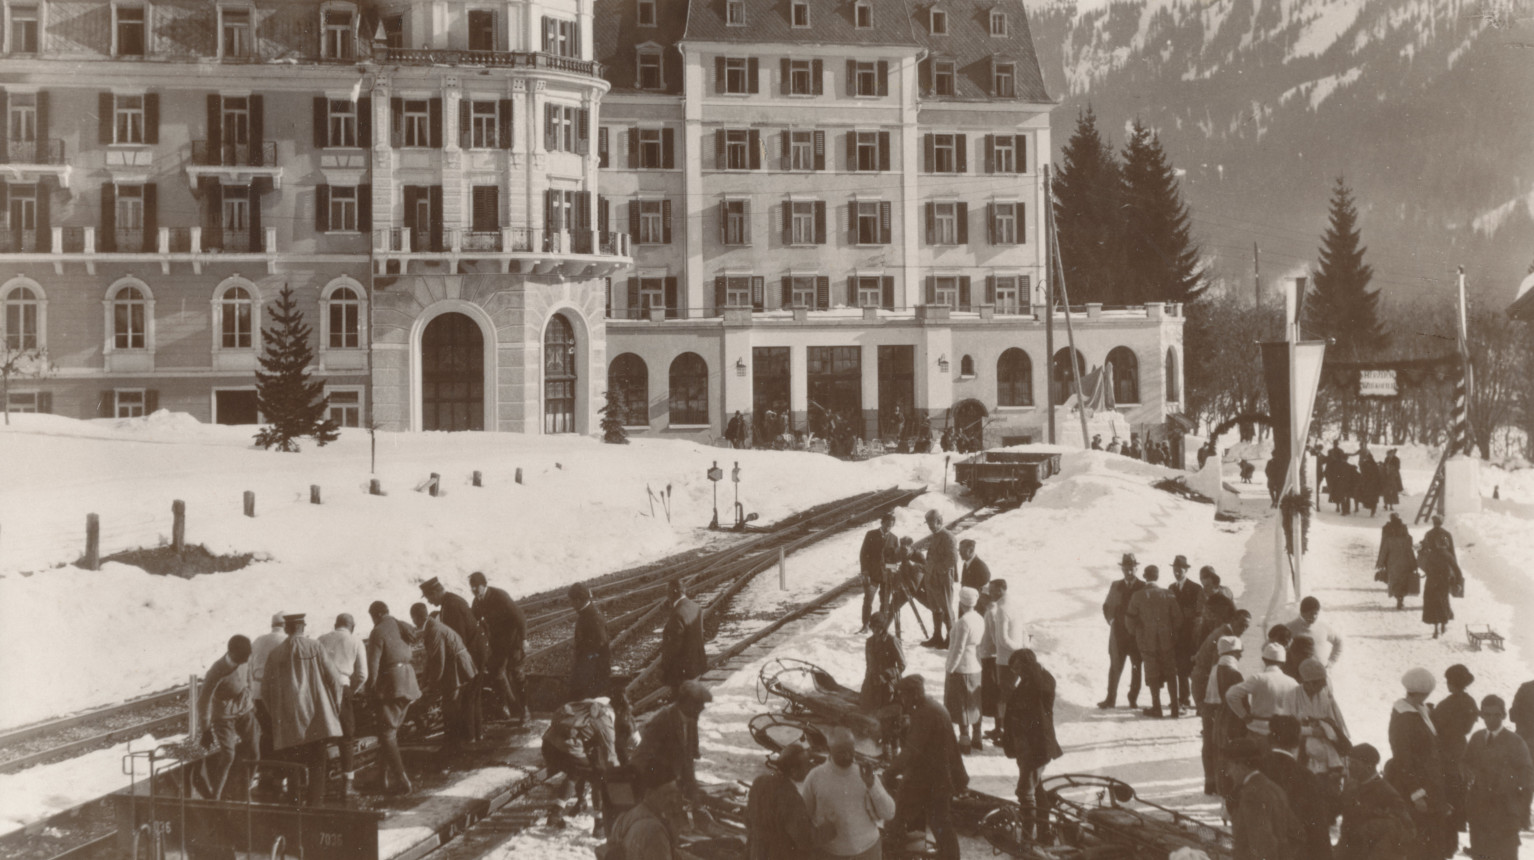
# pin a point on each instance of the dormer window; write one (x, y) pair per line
(939, 22)
(1003, 81)
(235, 33)
(650, 70)
(943, 76)
(336, 34)
(646, 14)
(998, 22)
(863, 15)
(130, 30)
(801, 13)
(481, 30)
(735, 13)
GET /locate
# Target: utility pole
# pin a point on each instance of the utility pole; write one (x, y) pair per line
(1256, 276)
(1049, 301)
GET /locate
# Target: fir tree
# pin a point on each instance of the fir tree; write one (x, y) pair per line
(1342, 308)
(1160, 258)
(1087, 193)
(293, 403)
(612, 421)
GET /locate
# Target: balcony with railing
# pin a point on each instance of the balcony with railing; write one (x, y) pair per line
(237, 162)
(32, 160)
(165, 245)
(25, 241)
(493, 59)
(517, 249)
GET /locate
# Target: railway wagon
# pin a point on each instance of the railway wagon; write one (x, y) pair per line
(998, 475)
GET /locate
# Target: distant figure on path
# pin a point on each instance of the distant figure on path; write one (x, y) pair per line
(1396, 564)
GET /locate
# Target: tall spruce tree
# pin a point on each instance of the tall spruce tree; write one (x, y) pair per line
(1342, 308)
(1088, 218)
(1160, 258)
(293, 403)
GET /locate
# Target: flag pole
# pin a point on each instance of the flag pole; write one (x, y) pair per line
(1070, 338)
(1049, 300)
(1296, 444)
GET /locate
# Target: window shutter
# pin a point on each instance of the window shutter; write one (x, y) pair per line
(820, 222)
(852, 77)
(746, 213)
(107, 240)
(583, 132)
(434, 120)
(434, 201)
(785, 75)
(926, 76)
(1020, 153)
(1020, 212)
(673, 298)
(852, 291)
(884, 222)
(634, 220)
(465, 139)
(633, 147)
(42, 130)
(550, 129)
(665, 221)
(212, 214)
(758, 293)
(755, 144)
(852, 150)
(215, 127)
(788, 291)
(152, 118)
(720, 282)
(365, 122)
(931, 290)
(931, 223)
(852, 223)
(44, 122)
(397, 122)
(322, 208)
(602, 147)
(990, 222)
(884, 78)
(550, 224)
(724, 222)
(929, 153)
(963, 218)
(961, 149)
(751, 74)
(817, 77)
(718, 75)
(990, 289)
(888, 292)
(786, 140)
(503, 115)
(365, 208)
(257, 235)
(720, 162)
(321, 122)
(633, 298)
(668, 148)
(990, 153)
(823, 292)
(106, 109)
(964, 292)
(884, 150)
(820, 148)
(151, 216)
(257, 123)
(788, 222)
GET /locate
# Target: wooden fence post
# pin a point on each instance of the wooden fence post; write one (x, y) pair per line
(92, 542)
(519, 474)
(478, 479)
(436, 484)
(250, 503)
(178, 526)
(375, 487)
(782, 569)
(314, 494)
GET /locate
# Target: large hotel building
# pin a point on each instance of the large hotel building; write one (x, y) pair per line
(495, 215)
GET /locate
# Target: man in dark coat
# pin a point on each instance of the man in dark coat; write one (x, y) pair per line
(1264, 825)
(226, 707)
(394, 686)
(1190, 599)
(735, 431)
(884, 664)
(1304, 790)
(1121, 644)
(456, 613)
(975, 573)
(1376, 822)
(1155, 621)
(881, 550)
(778, 825)
(1522, 713)
(941, 580)
(591, 656)
(505, 629)
(447, 672)
(930, 769)
(669, 741)
(1499, 780)
(1416, 766)
(682, 657)
(302, 690)
(1028, 735)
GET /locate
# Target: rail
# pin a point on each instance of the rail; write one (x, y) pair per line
(206, 153)
(492, 59)
(47, 151)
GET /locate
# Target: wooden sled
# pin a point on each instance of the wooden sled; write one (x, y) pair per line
(809, 689)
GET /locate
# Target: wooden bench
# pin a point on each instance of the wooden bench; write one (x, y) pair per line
(1487, 636)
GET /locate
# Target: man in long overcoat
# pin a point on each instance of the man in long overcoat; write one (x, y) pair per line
(447, 672)
(942, 579)
(930, 769)
(394, 687)
(1121, 644)
(1028, 734)
(591, 657)
(669, 741)
(682, 657)
(880, 552)
(1155, 621)
(302, 691)
(1499, 779)
(1190, 599)
(505, 630)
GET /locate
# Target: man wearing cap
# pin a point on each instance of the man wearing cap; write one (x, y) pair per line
(942, 579)
(1155, 621)
(881, 550)
(1257, 699)
(456, 613)
(1262, 821)
(930, 769)
(259, 651)
(1190, 600)
(1303, 789)
(1416, 766)
(1029, 735)
(349, 655)
(447, 670)
(1499, 780)
(505, 629)
(1328, 644)
(778, 824)
(394, 687)
(1121, 644)
(591, 657)
(301, 688)
(669, 741)
(682, 657)
(847, 802)
(228, 716)
(1376, 822)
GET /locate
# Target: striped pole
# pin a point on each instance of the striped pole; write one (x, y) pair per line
(1460, 441)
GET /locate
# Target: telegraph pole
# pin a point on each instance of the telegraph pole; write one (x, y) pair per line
(1049, 301)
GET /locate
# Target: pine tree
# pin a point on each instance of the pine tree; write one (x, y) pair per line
(1160, 257)
(612, 421)
(1342, 308)
(293, 403)
(1087, 194)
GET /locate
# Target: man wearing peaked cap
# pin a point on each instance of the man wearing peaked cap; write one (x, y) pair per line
(302, 689)
(1265, 694)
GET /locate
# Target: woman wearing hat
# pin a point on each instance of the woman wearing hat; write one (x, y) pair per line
(961, 692)
(1454, 717)
(1416, 766)
(1441, 577)
(1396, 564)
(1324, 741)
(1224, 725)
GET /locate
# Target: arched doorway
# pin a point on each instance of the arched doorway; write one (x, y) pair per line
(452, 374)
(969, 426)
(559, 379)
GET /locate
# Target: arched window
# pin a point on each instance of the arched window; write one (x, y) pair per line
(1062, 383)
(689, 389)
(1014, 379)
(1173, 378)
(628, 387)
(235, 319)
(129, 319)
(967, 366)
(343, 319)
(1126, 375)
(21, 316)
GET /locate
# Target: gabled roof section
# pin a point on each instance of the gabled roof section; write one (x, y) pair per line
(831, 23)
(974, 50)
(618, 37)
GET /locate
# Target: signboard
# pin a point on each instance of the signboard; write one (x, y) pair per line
(1377, 383)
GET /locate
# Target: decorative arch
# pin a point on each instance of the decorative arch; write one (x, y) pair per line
(581, 331)
(1126, 375)
(343, 308)
(628, 387)
(1061, 383)
(688, 397)
(487, 330)
(1014, 378)
(23, 314)
(236, 315)
(129, 281)
(1173, 376)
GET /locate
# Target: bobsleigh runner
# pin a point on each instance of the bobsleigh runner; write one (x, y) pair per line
(1085, 816)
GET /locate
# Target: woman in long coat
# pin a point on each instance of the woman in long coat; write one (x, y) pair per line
(1028, 734)
(1396, 564)
(1440, 574)
(1390, 480)
(1367, 491)
(1453, 718)
(1416, 766)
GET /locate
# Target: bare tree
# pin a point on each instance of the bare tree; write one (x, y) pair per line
(31, 363)
(1500, 356)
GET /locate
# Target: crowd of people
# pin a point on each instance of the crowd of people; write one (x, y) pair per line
(1353, 487)
(1156, 453)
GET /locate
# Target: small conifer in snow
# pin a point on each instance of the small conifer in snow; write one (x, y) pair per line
(293, 404)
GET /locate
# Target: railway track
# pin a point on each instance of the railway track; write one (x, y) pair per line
(633, 600)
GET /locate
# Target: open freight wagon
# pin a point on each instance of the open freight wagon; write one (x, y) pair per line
(996, 476)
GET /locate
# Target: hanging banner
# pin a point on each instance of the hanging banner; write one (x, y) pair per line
(1377, 383)
(1289, 410)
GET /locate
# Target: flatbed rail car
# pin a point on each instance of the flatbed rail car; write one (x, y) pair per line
(998, 475)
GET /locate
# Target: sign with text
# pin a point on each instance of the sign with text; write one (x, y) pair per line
(1377, 383)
